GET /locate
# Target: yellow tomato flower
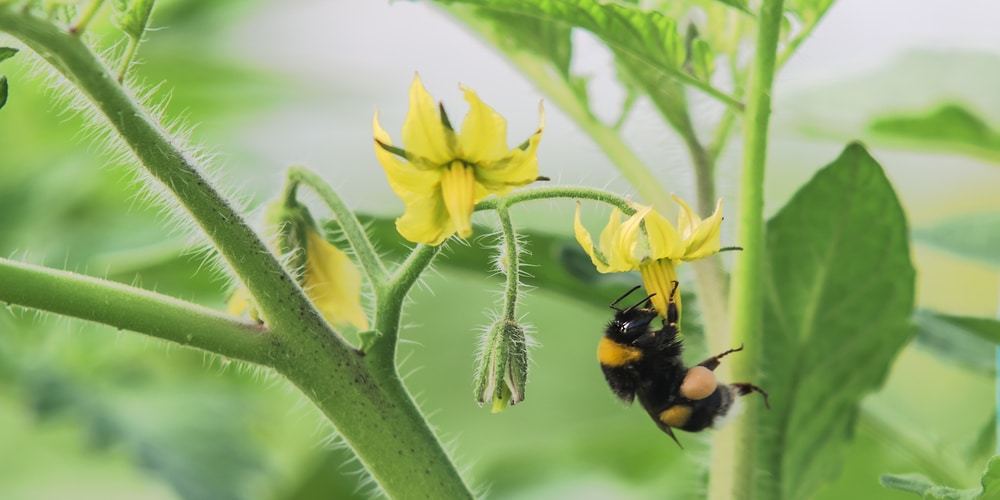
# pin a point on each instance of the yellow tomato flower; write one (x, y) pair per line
(649, 243)
(441, 174)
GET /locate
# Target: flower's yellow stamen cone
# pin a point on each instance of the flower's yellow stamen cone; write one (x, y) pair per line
(458, 187)
(658, 278)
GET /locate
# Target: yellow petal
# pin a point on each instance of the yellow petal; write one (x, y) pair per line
(333, 283)
(426, 220)
(519, 168)
(687, 220)
(458, 188)
(585, 241)
(423, 133)
(407, 181)
(240, 302)
(631, 248)
(658, 278)
(704, 238)
(484, 132)
(664, 241)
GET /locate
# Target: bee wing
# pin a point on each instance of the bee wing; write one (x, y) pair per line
(668, 430)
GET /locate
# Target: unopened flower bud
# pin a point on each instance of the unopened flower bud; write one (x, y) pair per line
(503, 365)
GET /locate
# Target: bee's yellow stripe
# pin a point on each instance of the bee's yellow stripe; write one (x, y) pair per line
(613, 354)
(675, 416)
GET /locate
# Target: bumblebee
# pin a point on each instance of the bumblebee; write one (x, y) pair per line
(641, 362)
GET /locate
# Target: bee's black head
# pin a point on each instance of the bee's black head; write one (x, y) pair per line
(631, 322)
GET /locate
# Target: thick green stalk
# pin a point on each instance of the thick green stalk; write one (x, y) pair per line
(734, 467)
(153, 314)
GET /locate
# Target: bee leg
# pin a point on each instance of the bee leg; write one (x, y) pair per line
(745, 388)
(713, 362)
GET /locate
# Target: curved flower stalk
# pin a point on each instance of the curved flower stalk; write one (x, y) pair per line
(441, 174)
(649, 243)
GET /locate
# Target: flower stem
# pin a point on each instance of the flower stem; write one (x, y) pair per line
(557, 192)
(349, 224)
(512, 263)
(733, 473)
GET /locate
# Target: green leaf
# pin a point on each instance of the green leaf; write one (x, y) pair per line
(702, 60)
(645, 37)
(535, 36)
(949, 128)
(916, 483)
(975, 236)
(967, 341)
(134, 18)
(3, 91)
(837, 309)
(7, 53)
(740, 5)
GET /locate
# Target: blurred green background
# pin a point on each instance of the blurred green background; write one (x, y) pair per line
(90, 412)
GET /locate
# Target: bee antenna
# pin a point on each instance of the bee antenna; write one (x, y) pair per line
(619, 299)
(645, 300)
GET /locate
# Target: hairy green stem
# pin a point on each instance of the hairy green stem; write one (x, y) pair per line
(733, 469)
(512, 262)
(349, 224)
(134, 309)
(372, 413)
(557, 192)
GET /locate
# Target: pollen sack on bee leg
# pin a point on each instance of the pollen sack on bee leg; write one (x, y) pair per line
(699, 383)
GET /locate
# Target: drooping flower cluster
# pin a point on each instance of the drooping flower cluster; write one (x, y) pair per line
(441, 174)
(649, 243)
(327, 275)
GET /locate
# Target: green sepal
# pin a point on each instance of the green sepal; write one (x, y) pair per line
(502, 370)
(133, 17)
(367, 339)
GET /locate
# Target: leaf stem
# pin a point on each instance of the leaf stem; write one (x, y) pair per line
(733, 468)
(135, 309)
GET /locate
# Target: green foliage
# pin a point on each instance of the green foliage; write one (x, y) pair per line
(648, 39)
(973, 236)
(916, 483)
(950, 127)
(133, 16)
(967, 341)
(838, 303)
(5, 53)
